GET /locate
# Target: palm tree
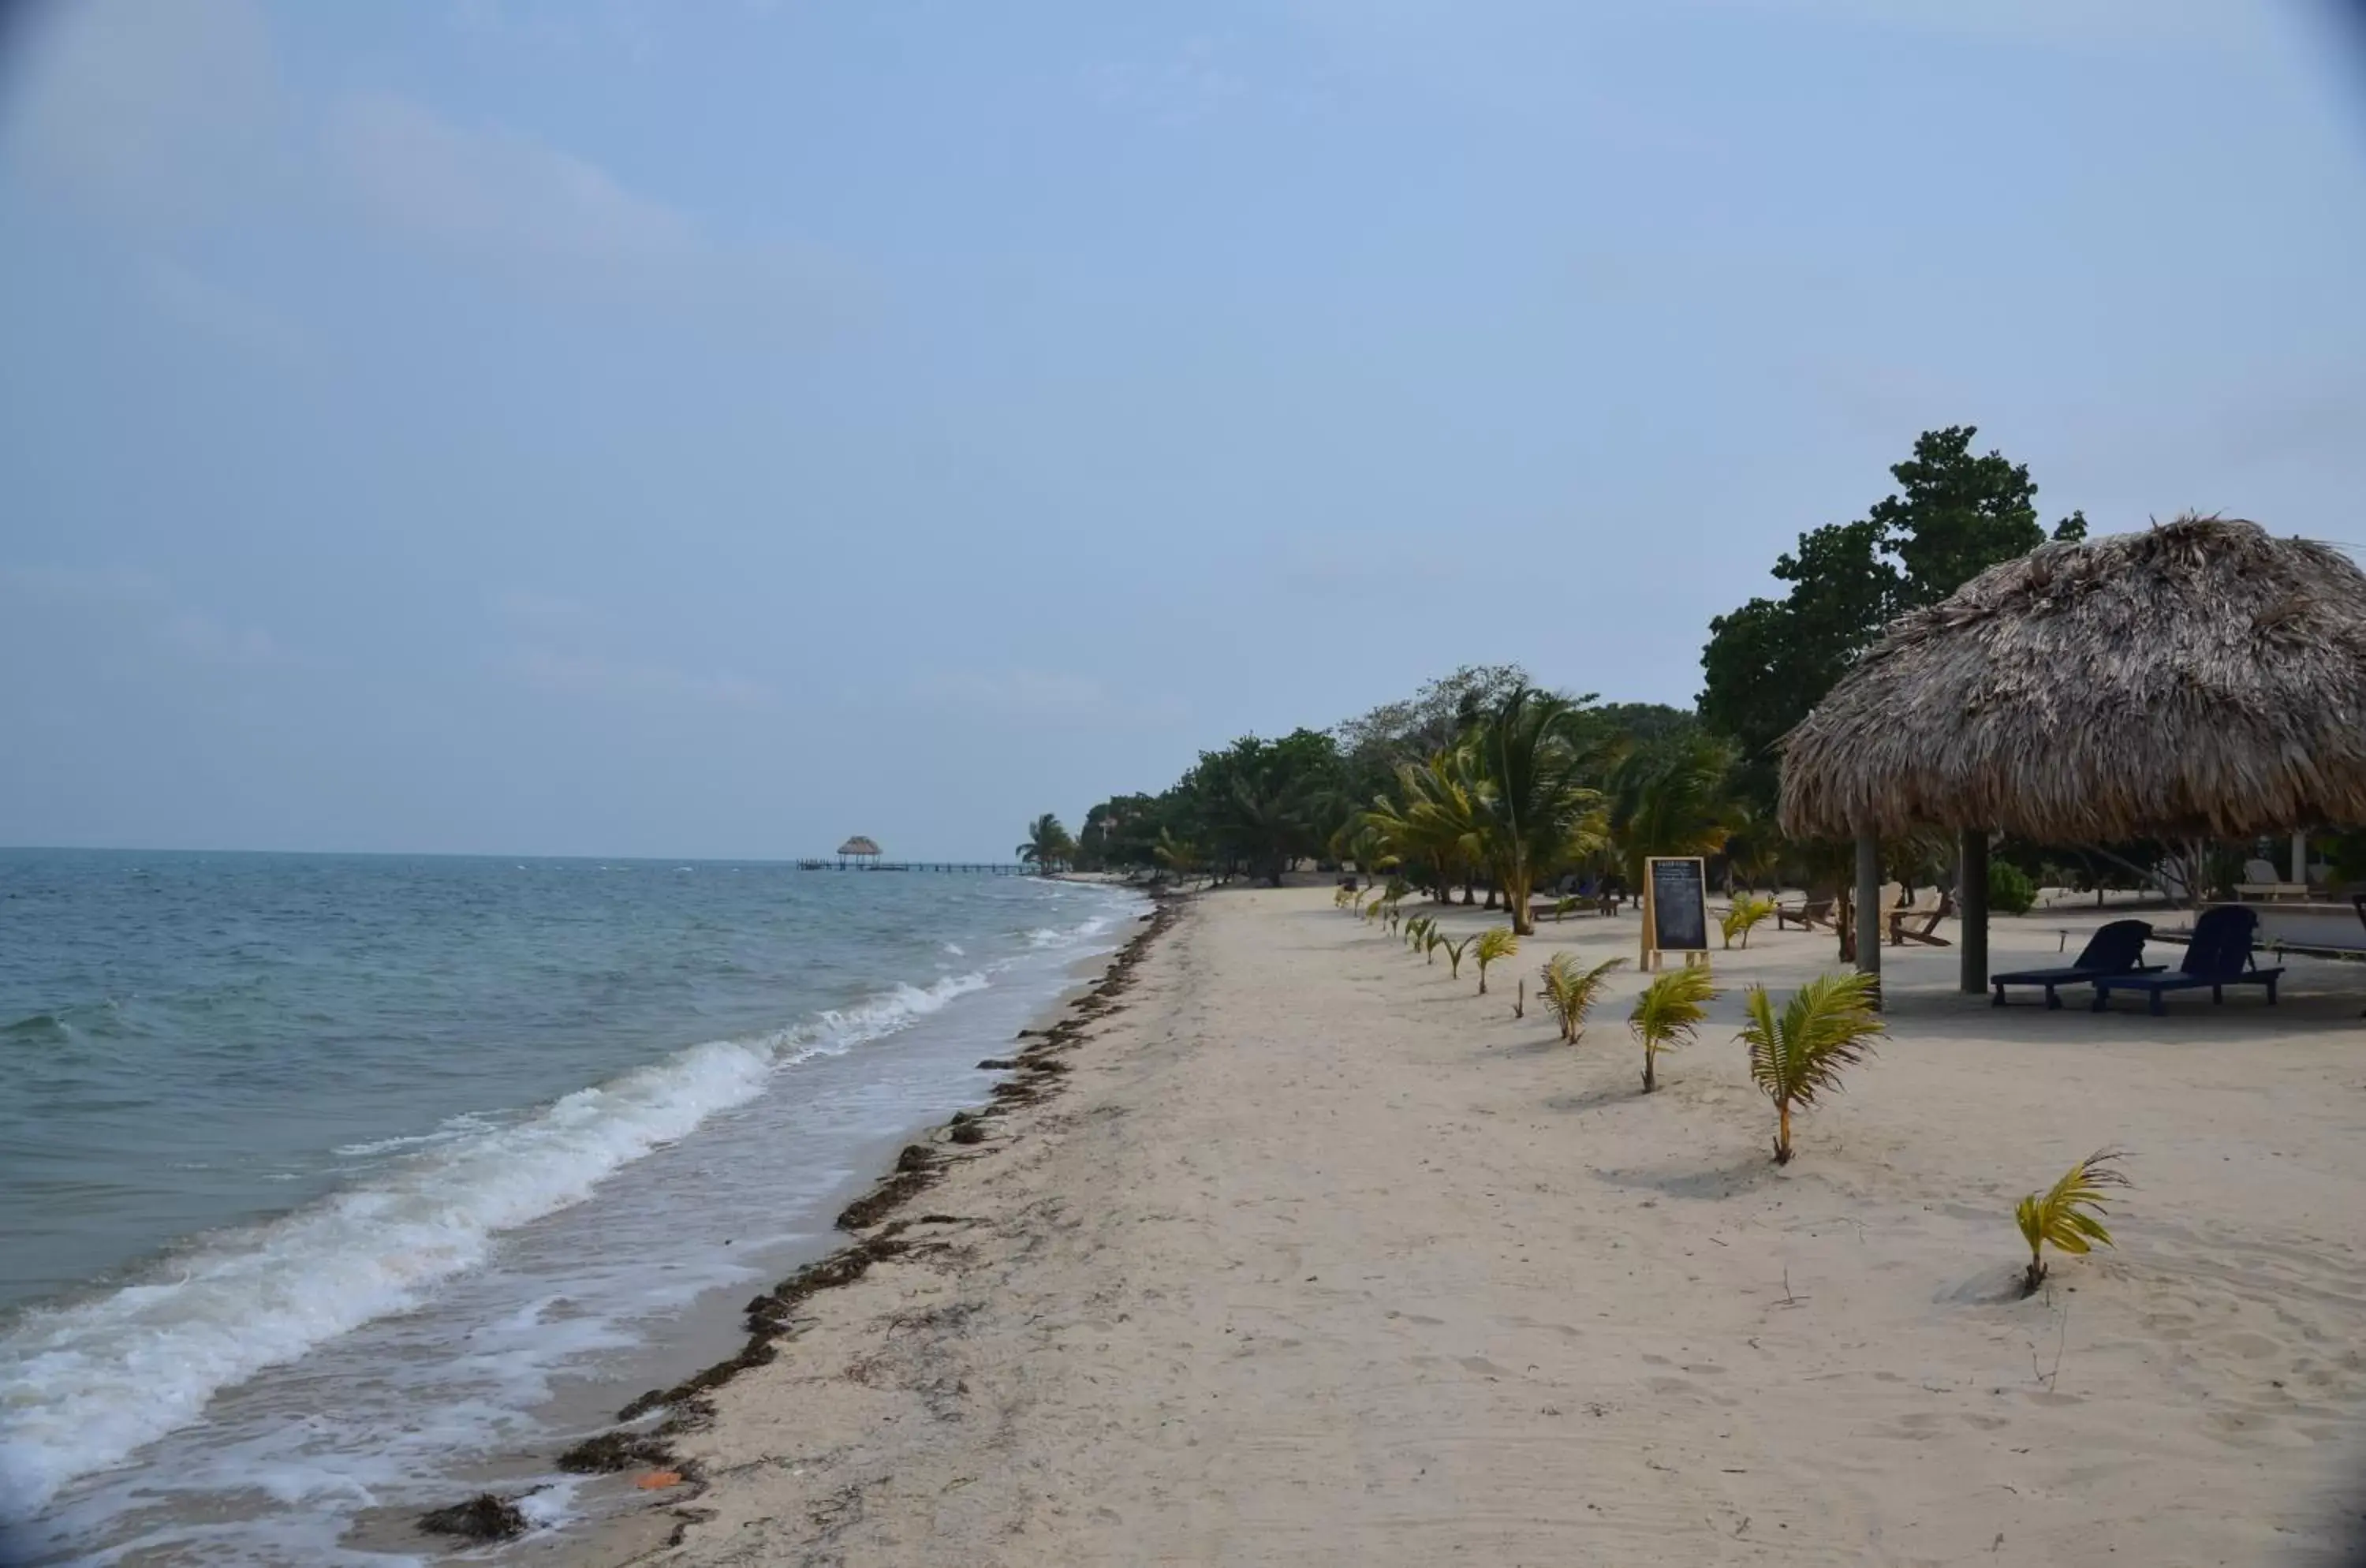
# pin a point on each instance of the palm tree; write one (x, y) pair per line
(1431, 819)
(1828, 1024)
(1048, 846)
(1494, 942)
(1675, 798)
(1177, 855)
(2069, 1214)
(1531, 756)
(1667, 1013)
(1571, 991)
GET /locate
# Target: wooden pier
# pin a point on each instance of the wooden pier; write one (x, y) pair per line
(972, 868)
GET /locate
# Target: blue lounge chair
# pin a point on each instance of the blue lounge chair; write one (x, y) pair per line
(2115, 949)
(2216, 957)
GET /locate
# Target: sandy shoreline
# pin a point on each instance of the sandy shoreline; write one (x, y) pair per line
(1319, 1256)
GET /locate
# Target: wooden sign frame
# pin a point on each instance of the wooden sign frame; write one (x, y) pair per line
(1651, 949)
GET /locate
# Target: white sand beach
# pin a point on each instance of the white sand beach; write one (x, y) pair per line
(1320, 1258)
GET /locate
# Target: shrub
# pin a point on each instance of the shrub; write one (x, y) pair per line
(2010, 891)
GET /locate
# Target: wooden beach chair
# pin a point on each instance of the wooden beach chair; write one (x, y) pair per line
(2115, 949)
(2219, 955)
(1807, 916)
(2262, 880)
(1903, 928)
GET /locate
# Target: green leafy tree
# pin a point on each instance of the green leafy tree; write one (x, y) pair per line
(1047, 847)
(1953, 515)
(1265, 805)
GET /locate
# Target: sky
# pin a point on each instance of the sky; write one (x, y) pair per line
(662, 427)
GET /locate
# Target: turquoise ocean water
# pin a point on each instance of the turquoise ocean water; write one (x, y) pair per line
(321, 1176)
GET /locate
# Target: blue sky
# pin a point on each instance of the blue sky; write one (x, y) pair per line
(623, 426)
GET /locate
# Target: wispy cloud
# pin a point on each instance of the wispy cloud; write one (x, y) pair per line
(1042, 697)
(533, 608)
(594, 676)
(2182, 24)
(540, 218)
(167, 119)
(556, 650)
(1357, 569)
(1194, 83)
(147, 606)
(204, 305)
(1036, 692)
(492, 194)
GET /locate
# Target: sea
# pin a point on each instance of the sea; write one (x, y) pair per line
(335, 1188)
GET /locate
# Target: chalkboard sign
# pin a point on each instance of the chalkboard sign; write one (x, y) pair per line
(1679, 905)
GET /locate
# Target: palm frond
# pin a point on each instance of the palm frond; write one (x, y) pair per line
(1454, 952)
(2069, 1214)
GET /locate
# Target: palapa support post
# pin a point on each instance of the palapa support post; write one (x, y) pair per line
(1972, 893)
(1868, 910)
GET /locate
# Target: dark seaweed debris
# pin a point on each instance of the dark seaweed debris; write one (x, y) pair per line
(482, 1518)
(611, 1451)
(771, 1315)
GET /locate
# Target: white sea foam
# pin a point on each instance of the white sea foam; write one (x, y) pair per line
(82, 1386)
(1046, 936)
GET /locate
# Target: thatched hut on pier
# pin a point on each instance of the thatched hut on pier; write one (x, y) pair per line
(862, 850)
(2200, 677)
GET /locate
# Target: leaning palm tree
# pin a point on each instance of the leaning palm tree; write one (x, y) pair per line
(1571, 992)
(1179, 855)
(1531, 757)
(1668, 1012)
(1799, 1054)
(1494, 942)
(2069, 1214)
(1047, 847)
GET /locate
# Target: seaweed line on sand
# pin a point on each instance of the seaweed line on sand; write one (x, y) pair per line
(689, 1405)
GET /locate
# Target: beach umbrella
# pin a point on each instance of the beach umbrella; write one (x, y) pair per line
(2199, 677)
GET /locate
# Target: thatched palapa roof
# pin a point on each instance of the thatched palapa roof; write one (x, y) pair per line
(858, 845)
(2199, 677)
